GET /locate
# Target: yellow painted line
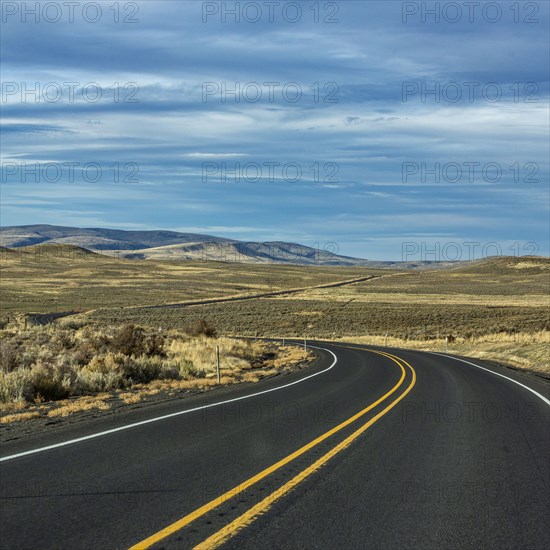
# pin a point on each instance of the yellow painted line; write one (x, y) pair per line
(189, 518)
(230, 530)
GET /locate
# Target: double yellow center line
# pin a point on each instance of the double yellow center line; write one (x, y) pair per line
(261, 507)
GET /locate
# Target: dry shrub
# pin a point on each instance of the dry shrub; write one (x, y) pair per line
(8, 356)
(112, 362)
(118, 371)
(95, 339)
(154, 345)
(83, 354)
(71, 324)
(102, 373)
(16, 386)
(187, 370)
(63, 340)
(128, 340)
(93, 381)
(50, 383)
(201, 327)
(147, 368)
(132, 340)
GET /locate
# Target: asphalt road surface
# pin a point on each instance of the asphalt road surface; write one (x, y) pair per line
(369, 448)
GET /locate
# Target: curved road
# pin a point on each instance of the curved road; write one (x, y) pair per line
(369, 448)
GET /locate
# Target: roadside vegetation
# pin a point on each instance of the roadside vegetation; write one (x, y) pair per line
(59, 369)
(328, 320)
(497, 309)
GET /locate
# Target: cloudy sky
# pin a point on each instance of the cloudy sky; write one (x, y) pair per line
(370, 125)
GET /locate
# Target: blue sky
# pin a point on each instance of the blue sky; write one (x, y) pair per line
(162, 127)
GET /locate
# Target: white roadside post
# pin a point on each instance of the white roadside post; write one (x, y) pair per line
(446, 344)
(218, 363)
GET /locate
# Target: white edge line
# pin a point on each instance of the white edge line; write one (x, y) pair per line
(171, 415)
(547, 401)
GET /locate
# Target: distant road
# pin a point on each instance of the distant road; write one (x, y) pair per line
(265, 294)
(46, 318)
(373, 448)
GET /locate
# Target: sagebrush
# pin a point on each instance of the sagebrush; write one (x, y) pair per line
(44, 363)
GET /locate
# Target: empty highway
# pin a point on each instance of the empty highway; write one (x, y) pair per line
(368, 448)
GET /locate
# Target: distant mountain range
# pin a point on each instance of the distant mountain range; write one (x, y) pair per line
(172, 245)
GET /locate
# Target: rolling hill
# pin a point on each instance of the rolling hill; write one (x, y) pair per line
(169, 245)
(173, 245)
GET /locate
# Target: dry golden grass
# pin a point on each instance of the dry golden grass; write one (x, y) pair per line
(13, 406)
(130, 398)
(529, 351)
(530, 265)
(7, 419)
(345, 294)
(250, 377)
(277, 318)
(31, 281)
(160, 386)
(289, 355)
(497, 310)
(79, 405)
(58, 370)
(485, 298)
